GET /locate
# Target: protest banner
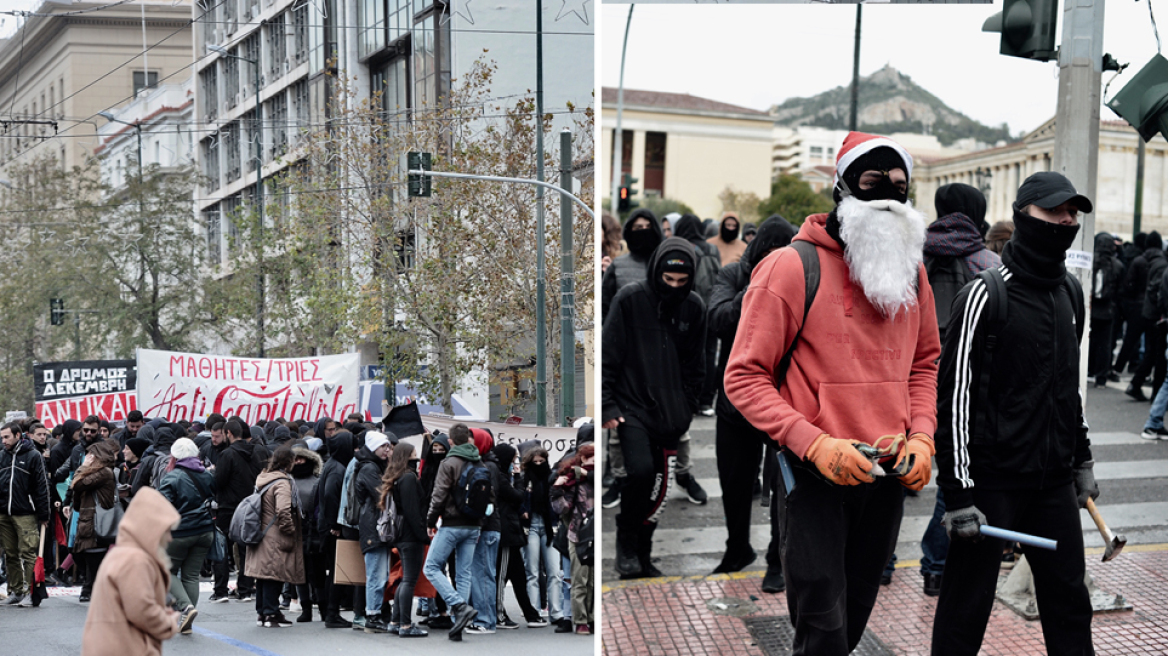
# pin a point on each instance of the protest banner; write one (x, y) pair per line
(80, 388)
(557, 441)
(191, 386)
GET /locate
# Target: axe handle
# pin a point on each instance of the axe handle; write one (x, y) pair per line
(1094, 512)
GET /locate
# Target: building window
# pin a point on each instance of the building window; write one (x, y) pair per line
(390, 81)
(276, 116)
(210, 158)
(398, 19)
(230, 12)
(232, 208)
(301, 105)
(214, 235)
(231, 81)
(145, 80)
(655, 162)
(251, 52)
(277, 48)
(209, 83)
(626, 150)
(231, 146)
(405, 248)
(817, 152)
(300, 23)
(248, 121)
(371, 27)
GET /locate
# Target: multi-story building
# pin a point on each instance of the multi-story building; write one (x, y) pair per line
(163, 115)
(66, 66)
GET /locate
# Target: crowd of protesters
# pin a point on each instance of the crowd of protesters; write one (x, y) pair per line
(448, 524)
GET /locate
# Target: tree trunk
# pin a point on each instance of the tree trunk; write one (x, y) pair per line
(446, 375)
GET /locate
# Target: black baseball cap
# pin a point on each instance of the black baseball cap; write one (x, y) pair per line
(1049, 189)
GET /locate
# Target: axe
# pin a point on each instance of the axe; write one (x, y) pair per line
(1114, 542)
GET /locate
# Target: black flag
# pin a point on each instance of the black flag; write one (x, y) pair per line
(404, 420)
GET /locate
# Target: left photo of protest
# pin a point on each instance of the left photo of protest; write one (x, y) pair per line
(298, 326)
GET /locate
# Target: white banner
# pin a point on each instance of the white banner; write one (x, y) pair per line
(193, 385)
(557, 441)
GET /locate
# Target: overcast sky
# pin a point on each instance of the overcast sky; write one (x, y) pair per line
(759, 55)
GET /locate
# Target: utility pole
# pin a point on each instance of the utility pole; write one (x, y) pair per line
(567, 288)
(540, 265)
(1076, 146)
(618, 138)
(855, 102)
(1139, 213)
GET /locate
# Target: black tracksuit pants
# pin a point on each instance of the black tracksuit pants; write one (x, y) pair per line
(646, 475)
(1100, 349)
(739, 448)
(971, 573)
(835, 541)
(1133, 317)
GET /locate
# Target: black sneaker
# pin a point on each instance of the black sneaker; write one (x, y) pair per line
(932, 584)
(507, 623)
(611, 498)
(693, 490)
(337, 622)
(735, 562)
(463, 614)
(219, 599)
(564, 626)
(1160, 433)
(886, 579)
(441, 622)
(773, 582)
(413, 631)
(1136, 393)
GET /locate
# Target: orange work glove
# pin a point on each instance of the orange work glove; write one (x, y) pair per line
(919, 452)
(839, 461)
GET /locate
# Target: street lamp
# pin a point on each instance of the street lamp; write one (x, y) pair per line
(983, 179)
(259, 191)
(137, 125)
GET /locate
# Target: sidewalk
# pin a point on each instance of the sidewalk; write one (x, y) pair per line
(710, 614)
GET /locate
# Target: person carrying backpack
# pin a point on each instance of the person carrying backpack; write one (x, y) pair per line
(235, 478)
(842, 375)
(954, 254)
(1106, 280)
(1012, 447)
(279, 556)
(459, 501)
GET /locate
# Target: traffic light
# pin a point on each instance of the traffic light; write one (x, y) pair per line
(625, 200)
(1143, 102)
(56, 311)
(419, 185)
(623, 203)
(1027, 28)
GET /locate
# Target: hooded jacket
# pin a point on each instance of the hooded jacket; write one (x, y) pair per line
(654, 353)
(280, 555)
(92, 484)
(367, 478)
(64, 448)
(129, 615)
(1106, 278)
(236, 472)
(188, 490)
(411, 506)
(631, 267)
(854, 374)
(960, 198)
(24, 489)
(332, 477)
(444, 502)
(484, 442)
(430, 463)
(726, 301)
(956, 235)
(508, 499)
(1033, 433)
(731, 251)
(1157, 263)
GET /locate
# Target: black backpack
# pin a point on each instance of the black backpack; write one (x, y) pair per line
(947, 275)
(586, 540)
(474, 490)
(706, 272)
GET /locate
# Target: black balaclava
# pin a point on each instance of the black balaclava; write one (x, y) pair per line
(1038, 249)
(674, 255)
(642, 242)
(1153, 242)
(727, 234)
(960, 198)
(689, 228)
(340, 447)
(775, 232)
(884, 159)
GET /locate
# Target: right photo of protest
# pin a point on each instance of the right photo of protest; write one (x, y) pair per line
(883, 305)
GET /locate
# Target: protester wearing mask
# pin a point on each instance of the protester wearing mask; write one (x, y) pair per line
(432, 608)
(332, 475)
(642, 233)
(400, 483)
(738, 445)
(572, 495)
(729, 245)
(1024, 461)
(306, 473)
(654, 366)
(862, 373)
(509, 501)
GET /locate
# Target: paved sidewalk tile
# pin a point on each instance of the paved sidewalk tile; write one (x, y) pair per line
(680, 616)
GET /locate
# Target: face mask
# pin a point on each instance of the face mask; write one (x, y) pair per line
(884, 190)
(642, 242)
(729, 235)
(1043, 237)
(673, 295)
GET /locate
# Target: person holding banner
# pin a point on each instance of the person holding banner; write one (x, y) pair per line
(24, 508)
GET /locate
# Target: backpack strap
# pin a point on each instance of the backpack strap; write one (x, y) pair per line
(274, 514)
(809, 255)
(997, 302)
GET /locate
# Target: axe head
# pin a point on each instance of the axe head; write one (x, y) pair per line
(1114, 547)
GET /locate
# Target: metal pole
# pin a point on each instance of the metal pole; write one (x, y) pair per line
(855, 102)
(618, 138)
(259, 194)
(138, 129)
(540, 325)
(1076, 146)
(77, 336)
(567, 292)
(1139, 214)
(470, 176)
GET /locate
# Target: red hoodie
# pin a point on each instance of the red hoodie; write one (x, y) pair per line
(854, 375)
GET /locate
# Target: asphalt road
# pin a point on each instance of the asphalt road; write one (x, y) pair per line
(1132, 475)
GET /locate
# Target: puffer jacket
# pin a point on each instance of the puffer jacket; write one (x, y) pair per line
(24, 489)
(279, 556)
(188, 490)
(628, 268)
(93, 483)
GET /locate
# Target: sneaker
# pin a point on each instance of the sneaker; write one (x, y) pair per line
(280, 621)
(706, 411)
(219, 599)
(1136, 393)
(393, 628)
(932, 584)
(463, 614)
(735, 562)
(441, 622)
(611, 498)
(295, 607)
(260, 619)
(536, 623)
(693, 490)
(583, 629)
(84, 598)
(886, 579)
(13, 600)
(563, 625)
(481, 630)
(233, 595)
(412, 632)
(359, 623)
(374, 624)
(186, 619)
(773, 582)
(246, 596)
(285, 604)
(337, 622)
(1160, 433)
(27, 602)
(507, 623)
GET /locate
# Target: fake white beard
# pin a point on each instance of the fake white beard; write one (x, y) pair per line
(884, 241)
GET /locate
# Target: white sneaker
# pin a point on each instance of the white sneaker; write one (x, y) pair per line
(1155, 433)
(294, 606)
(482, 630)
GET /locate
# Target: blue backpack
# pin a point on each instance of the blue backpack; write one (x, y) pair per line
(474, 490)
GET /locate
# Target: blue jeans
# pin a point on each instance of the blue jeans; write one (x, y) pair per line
(459, 540)
(483, 593)
(376, 576)
(935, 541)
(1159, 407)
(566, 568)
(537, 544)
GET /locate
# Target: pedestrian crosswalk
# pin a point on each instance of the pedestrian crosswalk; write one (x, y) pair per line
(690, 538)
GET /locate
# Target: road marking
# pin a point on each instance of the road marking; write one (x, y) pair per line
(258, 651)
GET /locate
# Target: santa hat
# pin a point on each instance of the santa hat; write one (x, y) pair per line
(857, 144)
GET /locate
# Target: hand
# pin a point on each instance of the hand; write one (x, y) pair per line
(431, 532)
(964, 524)
(335, 532)
(613, 423)
(604, 262)
(919, 453)
(1085, 485)
(561, 480)
(839, 461)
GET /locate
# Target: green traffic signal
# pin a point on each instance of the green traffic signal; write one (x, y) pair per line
(1143, 102)
(1027, 28)
(418, 185)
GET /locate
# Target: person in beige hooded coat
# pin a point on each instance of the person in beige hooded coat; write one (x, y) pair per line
(279, 557)
(129, 615)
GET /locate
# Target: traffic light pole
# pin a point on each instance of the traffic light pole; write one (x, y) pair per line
(496, 178)
(1076, 146)
(567, 286)
(618, 138)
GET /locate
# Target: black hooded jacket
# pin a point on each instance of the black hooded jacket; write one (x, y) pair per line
(654, 356)
(726, 301)
(367, 478)
(60, 453)
(1106, 278)
(24, 488)
(508, 499)
(236, 473)
(631, 267)
(332, 478)
(960, 198)
(1157, 263)
(430, 462)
